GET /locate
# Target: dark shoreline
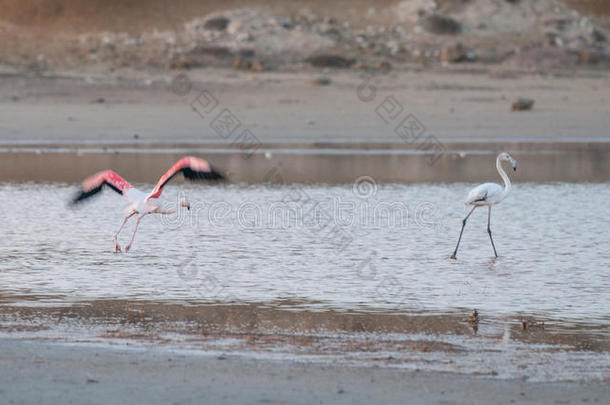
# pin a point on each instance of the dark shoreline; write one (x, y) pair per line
(218, 320)
(504, 348)
(314, 162)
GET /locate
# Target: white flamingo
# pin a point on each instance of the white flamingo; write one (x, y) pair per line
(144, 204)
(488, 194)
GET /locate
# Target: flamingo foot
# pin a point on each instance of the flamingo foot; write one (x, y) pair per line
(127, 248)
(117, 247)
(453, 256)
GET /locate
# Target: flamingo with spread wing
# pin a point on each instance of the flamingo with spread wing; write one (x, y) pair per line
(145, 204)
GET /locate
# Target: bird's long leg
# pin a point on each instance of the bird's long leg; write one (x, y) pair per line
(489, 230)
(117, 247)
(134, 232)
(454, 255)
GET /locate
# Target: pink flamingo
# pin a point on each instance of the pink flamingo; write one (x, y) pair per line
(144, 204)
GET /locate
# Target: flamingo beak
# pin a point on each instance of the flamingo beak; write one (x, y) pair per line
(514, 162)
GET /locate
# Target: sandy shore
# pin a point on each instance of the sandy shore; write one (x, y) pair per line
(66, 373)
(354, 107)
(281, 123)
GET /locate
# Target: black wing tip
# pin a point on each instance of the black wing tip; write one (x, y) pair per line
(217, 175)
(212, 175)
(83, 195)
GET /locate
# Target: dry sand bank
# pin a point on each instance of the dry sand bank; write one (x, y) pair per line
(459, 105)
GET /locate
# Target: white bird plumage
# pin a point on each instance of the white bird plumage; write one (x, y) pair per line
(485, 193)
(143, 204)
(488, 194)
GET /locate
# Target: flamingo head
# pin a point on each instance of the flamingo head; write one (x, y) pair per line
(185, 203)
(505, 156)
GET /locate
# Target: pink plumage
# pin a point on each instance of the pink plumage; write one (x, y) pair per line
(191, 167)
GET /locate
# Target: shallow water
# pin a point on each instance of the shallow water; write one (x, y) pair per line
(364, 247)
(356, 274)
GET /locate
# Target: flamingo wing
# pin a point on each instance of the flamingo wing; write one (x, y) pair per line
(94, 184)
(484, 193)
(192, 168)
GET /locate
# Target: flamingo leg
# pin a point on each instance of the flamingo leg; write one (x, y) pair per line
(454, 255)
(134, 232)
(489, 231)
(117, 247)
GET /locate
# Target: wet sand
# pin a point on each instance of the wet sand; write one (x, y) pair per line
(527, 348)
(291, 327)
(51, 372)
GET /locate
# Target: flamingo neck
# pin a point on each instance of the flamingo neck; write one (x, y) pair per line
(507, 184)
